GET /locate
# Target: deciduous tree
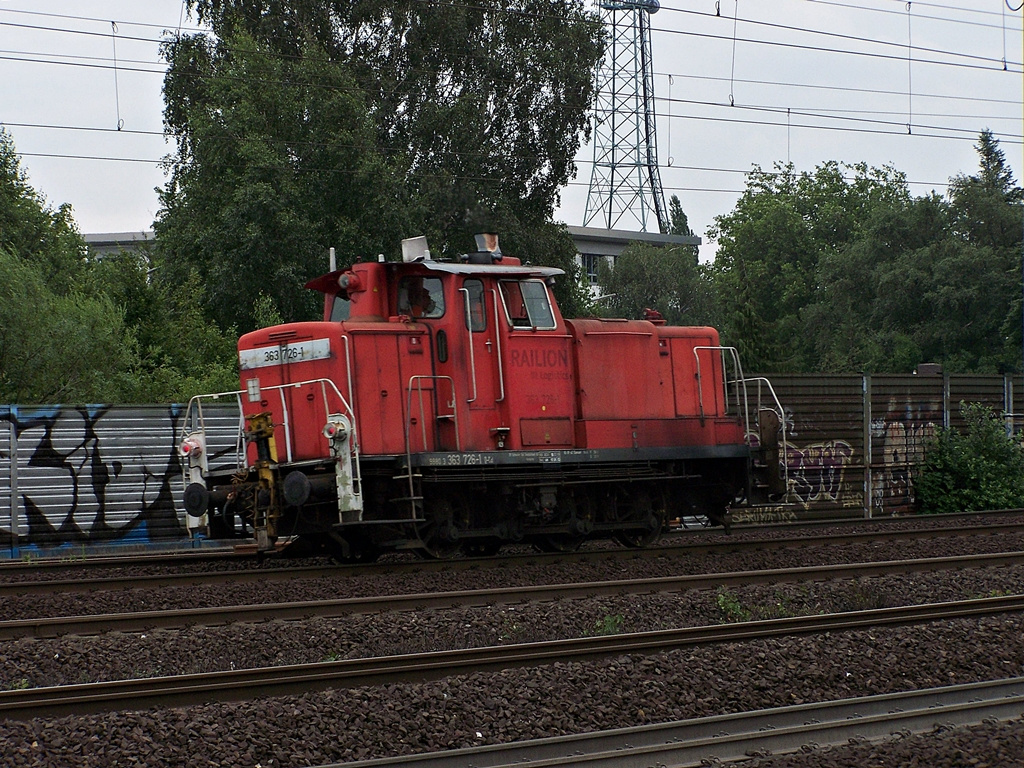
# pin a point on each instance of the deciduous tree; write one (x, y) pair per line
(80, 329)
(842, 270)
(315, 123)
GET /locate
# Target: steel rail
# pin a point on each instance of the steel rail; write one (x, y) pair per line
(245, 549)
(73, 560)
(142, 621)
(710, 740)
(234, 685)
(154, 581)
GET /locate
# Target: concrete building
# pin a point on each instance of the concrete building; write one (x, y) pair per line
(595, 243)
(105, 243)
(592, 244)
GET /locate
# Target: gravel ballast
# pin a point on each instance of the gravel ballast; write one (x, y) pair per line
(469, 710)
(463, 711)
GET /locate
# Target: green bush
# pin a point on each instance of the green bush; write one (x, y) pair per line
(980, 468)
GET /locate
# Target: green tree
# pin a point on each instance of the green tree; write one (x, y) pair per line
(178, 352)
(276, 163)
(315, 123)
(78, 329)
(31, 229)
(770, 248)
(681, 226)
(927, 279)
(663, 278)
(57, 347)
(56, 342)
(872, 291)
(825, 272)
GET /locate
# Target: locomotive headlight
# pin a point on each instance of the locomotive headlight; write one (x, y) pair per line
(334, 430)
(350, 282)
(191, 446)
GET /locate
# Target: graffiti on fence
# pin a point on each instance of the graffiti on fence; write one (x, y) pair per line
(763, 515)
(816, 471)
(902, 443)
(84, 483)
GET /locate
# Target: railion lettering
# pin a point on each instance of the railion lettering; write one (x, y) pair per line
(539, 358)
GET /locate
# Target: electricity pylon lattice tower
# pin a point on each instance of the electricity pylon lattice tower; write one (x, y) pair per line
(625, 184)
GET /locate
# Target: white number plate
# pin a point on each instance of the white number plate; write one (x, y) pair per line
(299, 352)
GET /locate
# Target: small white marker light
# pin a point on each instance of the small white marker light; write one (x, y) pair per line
(252, 386)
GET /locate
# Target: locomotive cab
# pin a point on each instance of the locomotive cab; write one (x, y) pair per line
(448, 406)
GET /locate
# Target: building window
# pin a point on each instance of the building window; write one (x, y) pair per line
(590, 262)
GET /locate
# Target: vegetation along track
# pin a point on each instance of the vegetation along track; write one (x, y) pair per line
(294, 679)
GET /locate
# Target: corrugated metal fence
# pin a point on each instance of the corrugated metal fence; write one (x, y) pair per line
(853, 440)
(95, 474)
(77, 475)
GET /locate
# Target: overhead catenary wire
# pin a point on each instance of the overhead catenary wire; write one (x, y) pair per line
(855, 123)
(817, 114)
(809, 113)
(456, 176)
(929, 17)
(106, 63)
(466, 177)
(996, 62)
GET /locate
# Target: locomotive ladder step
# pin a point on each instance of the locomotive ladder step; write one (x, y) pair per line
(416, 476)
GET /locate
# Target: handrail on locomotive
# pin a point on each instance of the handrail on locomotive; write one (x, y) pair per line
(193, 440)
(740, 382)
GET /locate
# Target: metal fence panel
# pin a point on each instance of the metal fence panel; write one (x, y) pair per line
(8, 481)
(90, 474)
(825, 445)
(906, 412)
(93, 474)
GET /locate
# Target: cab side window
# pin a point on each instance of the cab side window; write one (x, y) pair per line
(476, 318)
(340, 309)
(527, 304)
(515, 307)
(421, 297)
(538, 304)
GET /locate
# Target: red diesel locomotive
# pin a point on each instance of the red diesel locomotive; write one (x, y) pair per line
(448, 406)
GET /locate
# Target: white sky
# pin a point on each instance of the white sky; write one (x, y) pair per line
(952, 87)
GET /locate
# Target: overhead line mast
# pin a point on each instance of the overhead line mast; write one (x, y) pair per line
(625, 183)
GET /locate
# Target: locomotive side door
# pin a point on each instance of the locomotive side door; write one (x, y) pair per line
(482, 350)
(469, 353)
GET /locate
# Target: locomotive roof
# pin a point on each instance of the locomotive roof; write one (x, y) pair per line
(517, 270)
(328, 283)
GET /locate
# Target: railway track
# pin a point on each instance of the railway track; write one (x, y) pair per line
(268, 574)
(300, 610)
(235, 685)
(79, 562)
(710, 740)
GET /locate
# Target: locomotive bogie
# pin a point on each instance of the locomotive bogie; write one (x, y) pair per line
(449, 407)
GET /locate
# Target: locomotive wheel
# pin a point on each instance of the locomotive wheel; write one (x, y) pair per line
(638, 539)
(438, 534)
(580, 519)
(641, 512)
